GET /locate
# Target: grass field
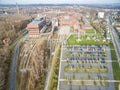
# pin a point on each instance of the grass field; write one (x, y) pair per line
(90, 31)
(87, 40)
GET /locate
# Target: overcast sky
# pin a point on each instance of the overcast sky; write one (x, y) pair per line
(57, 1)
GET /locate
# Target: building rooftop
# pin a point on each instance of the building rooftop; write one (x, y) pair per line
(37, 20)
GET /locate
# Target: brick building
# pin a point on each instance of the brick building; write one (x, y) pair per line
(36, 25)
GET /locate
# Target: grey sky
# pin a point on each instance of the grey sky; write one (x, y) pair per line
(57, 1)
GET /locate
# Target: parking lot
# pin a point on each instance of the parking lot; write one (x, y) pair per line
(85, 68)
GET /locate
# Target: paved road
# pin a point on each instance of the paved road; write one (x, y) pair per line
(13, 70)
(114, 38)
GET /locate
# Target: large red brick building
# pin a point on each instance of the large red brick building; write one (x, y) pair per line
(36, 25)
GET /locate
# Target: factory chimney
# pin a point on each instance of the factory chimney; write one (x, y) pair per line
(17, 8)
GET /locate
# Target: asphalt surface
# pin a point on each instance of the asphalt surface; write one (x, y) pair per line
(13, 70)
(109, 74)
(114, 38)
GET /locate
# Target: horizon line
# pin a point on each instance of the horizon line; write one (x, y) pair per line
(57, 3)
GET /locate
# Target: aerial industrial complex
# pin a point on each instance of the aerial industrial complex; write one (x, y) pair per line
(60, 48)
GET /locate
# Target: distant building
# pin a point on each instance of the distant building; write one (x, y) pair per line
(71, 21)
(116, 16)
(100, 14)
(2, 12)
(76, 22)
(68, 20)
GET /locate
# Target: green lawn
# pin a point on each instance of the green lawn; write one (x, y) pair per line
(90, 31)
(84, 41)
